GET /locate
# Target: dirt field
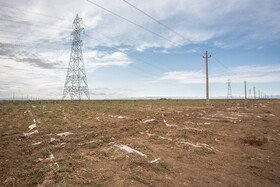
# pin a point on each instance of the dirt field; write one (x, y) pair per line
(140, 143)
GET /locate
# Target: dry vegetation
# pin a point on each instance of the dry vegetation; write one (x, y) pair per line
(175, 143)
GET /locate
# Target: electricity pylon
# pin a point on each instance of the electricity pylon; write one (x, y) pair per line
(76, 79)
(250, 94)
(229, 94)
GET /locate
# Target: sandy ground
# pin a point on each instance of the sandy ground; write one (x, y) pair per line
(140, 143)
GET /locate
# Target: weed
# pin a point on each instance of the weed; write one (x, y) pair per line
(80, 133)
(45, 151)
(103, 155)
(108, 175)
(140, 178)
(59, 159)
(137, 131)
(190, 179)
(143, 147)
(63, 184)
(64, 169)
(99, 185)
(206, 181)
(183, 133)
(50, 129)
(77, 157)
(179, 156)
(10, 132)
(199, 152)
(45, 170)
(134, 163)
(87, 175)
(94, 145)
(78, 140)
(164, 165)
(105, 139)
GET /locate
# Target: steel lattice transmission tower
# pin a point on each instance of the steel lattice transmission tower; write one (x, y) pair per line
(229, 94)
(76, 79)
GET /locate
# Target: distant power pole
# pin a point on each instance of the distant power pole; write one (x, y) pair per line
(250, 94)
(207, 82)
(259, 94)
(245, 92)
(254, 92)
(76, 79)
(229, 93)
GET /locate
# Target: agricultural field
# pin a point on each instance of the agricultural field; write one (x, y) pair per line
(140, 143)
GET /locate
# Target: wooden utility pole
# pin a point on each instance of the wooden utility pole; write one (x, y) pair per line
(207, 82)
(245, 93)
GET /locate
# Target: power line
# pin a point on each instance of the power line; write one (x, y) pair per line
(217, 60)
(170, 29)
(140, 26)
(165, 26)
(131, 22)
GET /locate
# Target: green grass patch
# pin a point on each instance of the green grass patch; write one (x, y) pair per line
(165, 165)
(139, 162)
(46, 151)
(10, 132)
(59, 159)
(45, 170)
(65, 169)
(105, 139)
(95, 145)
(87, 175)
(139, 176)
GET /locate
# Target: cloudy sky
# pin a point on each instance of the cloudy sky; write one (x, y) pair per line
(136, 56)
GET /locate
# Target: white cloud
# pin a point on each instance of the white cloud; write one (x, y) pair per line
(191, 77)
(96, 59)
(257, 74)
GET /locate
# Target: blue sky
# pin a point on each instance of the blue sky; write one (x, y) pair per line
(125, 61)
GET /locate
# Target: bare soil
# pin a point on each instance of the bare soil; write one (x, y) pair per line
(225, 144)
